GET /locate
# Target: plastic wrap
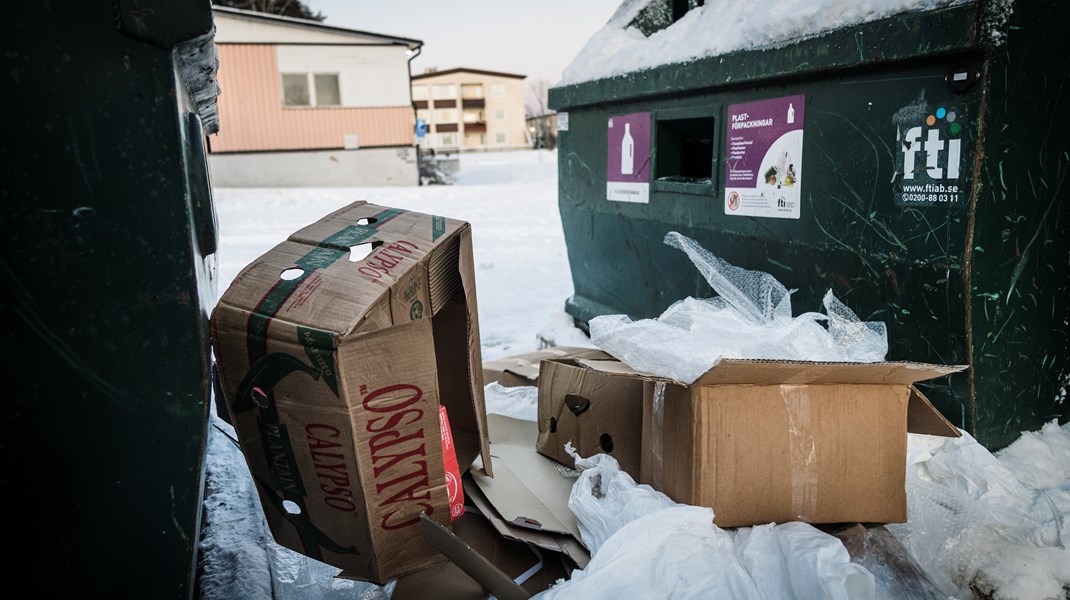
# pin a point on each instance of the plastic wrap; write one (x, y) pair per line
(750, 318)
(520, 402)
(644, 545)
(973, 525)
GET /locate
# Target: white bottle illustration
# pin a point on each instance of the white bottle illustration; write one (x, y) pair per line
(627, 151)
(791, 113)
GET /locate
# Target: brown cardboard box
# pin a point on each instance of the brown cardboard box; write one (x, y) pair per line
(774, 441)
(334, 364)
(523, 369)
(596, 411)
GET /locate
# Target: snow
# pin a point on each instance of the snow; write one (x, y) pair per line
(724, 26)
(1007, 533)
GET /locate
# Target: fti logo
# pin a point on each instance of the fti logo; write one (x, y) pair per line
(932, 146)
(930, 154)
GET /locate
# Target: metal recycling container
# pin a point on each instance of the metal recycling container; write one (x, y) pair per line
(108, 268)
(915, 165)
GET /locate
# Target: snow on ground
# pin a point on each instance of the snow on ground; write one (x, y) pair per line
(998, 522)
(510, 198)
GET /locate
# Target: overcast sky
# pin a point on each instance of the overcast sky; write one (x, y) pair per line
(537, 39)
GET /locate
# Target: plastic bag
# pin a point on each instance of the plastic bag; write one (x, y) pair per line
(644, 545)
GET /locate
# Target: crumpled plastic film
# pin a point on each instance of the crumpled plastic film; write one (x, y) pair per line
(756, 295)
(644, 545)
(750, 318)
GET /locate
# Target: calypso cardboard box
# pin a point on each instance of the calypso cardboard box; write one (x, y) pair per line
(764, 441)
(597, 412)
(336, 350)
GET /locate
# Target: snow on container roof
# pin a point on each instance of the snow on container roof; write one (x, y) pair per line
(641, 34)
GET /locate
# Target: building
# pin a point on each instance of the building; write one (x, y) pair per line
(307, 104)
(543, 130)
(471, 110)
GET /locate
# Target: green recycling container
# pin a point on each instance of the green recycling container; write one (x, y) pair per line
(108, 270)
(915, 165)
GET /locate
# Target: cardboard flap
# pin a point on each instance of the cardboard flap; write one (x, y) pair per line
(527, 489)
(922, 417)
(471, 562)
(557, 542)
(616, 367)
(741, 371)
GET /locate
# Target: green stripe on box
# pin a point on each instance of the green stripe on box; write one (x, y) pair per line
(438, 227)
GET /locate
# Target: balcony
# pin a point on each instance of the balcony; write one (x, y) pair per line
(472, 103)
(475, 126)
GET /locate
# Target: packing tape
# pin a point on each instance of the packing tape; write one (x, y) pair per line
(657, 419)
(802, 451)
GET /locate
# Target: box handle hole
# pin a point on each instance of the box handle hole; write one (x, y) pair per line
(361, 251)
(367, 220)
(291, 274)
(577, 404)
(291, 507)
(606, 442)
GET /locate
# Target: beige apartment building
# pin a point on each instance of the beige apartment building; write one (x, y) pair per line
(471, 110)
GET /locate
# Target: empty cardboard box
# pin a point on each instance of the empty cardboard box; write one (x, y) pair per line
(335, 350)
(597, 412)
(764, 441)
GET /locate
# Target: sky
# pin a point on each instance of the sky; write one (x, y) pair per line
(999, 518)
(534, 39)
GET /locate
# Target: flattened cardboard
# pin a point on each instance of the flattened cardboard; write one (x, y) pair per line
(523, 369)
(563, 544)
(762, 441)
(526, 488)
(595, 411)
(529, 493)
(333, 368)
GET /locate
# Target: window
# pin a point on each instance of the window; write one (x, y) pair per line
(499, 114)
(471, 90)
(295, 90)
(327, 93)
(443, 92)
(497, 90)
(310, 89)
(473, 116)
(447, 139)
(499, 138)
(419, 92)
(446, 115)
(423, 113)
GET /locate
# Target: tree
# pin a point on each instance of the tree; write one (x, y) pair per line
(536, 101)
(285, 8)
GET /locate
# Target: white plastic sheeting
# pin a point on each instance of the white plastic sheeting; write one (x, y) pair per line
(973, 522)
(751, 317)
(644, 545)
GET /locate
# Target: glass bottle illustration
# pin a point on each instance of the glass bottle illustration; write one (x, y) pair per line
(791, 113)
(627, 151)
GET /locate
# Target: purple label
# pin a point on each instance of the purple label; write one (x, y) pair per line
(628, 153)
(752, 129)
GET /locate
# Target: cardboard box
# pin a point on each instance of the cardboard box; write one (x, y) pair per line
(774, 441)
(523, 369)
(334, 364)
(597, 412)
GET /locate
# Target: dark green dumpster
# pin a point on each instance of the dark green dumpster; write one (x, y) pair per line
(915, 165)
(108, 267)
